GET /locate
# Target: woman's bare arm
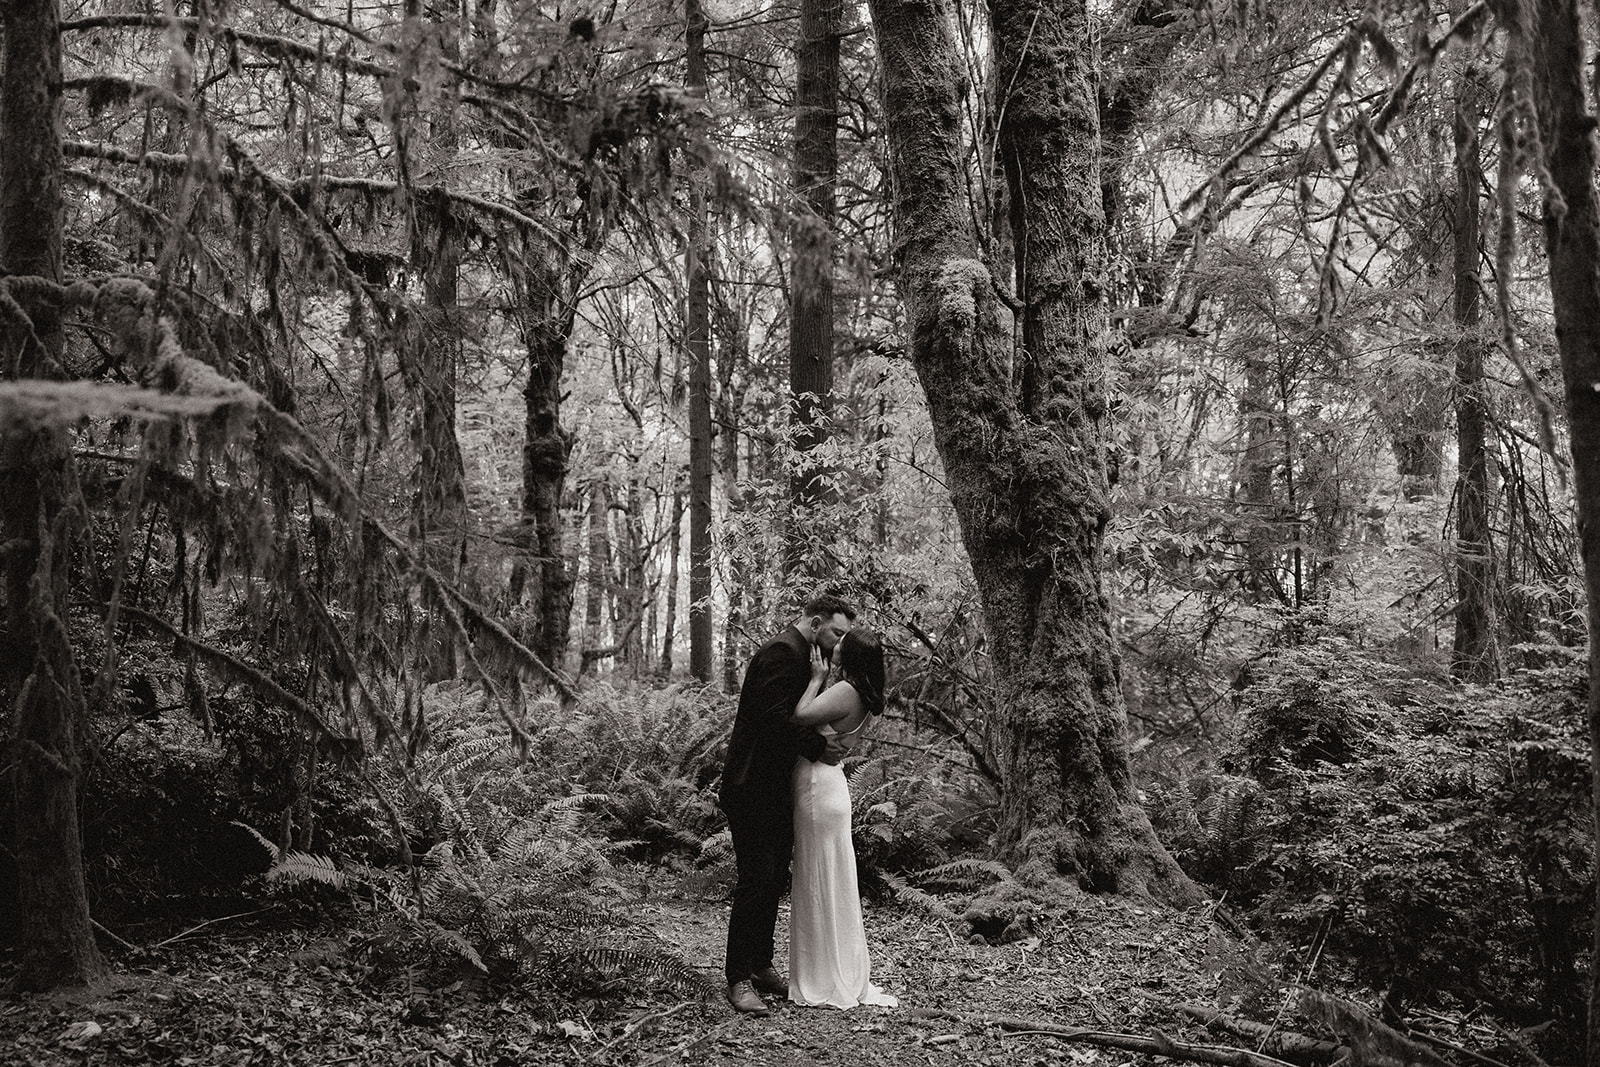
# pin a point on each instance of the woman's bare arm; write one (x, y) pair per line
(837, 702)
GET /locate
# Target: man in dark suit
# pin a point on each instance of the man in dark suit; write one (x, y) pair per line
(756, 792)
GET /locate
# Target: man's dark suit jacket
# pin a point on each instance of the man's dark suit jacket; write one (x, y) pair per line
(765, 741)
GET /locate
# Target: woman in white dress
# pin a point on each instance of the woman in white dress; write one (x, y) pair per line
(828, 960)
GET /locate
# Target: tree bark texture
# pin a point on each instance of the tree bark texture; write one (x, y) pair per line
(1023, 447)
(430, 363)
(548, 311)
(1551, 40)
(697, 345)
(597, 578)
(1263, 452)
(633, 589)
(816, 172)
(1475, 655)
(37, 669)
(669, 615)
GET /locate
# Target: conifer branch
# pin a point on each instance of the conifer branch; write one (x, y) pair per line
(1274, 121)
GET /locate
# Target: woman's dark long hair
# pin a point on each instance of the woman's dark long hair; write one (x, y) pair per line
(861, 664)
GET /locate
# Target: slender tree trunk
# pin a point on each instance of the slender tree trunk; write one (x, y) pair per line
(697, 344)
(430, 362)
(1476, 652)
(1026, 465)
(1258, 461)
(38, 672)
(598, 574)
(669, 620)
(632, 592)
(816, 171)
(1551, 38)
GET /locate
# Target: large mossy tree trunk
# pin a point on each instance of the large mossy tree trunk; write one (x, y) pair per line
(38, 671)
(1547, 37)
(1021, 433)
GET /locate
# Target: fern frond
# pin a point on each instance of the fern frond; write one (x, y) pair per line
(272, 849)
(915, 898)
(573, 802)
(303, 867)
(462, 758)
(965, 873)
(717, 847)
(640, 962)
(444, 937)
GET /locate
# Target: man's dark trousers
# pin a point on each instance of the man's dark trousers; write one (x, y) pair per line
(762, 842)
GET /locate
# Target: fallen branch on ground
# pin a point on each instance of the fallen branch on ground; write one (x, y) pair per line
(1154, 1044)
(1283, 1043)
(202, 926)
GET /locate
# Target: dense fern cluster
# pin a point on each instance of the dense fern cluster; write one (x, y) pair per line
(508, 881)
(1428, 842)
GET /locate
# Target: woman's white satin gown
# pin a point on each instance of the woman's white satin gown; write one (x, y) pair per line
(828, 961)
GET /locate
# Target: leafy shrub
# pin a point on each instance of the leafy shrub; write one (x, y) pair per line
(160, 797)
(156, 807)
(1426, 841)
(898, 820)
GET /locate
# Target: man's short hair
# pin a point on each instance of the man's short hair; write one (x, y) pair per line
(828, 605)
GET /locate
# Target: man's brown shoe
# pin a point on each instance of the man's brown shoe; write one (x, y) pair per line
(743, 997)
(767, 980)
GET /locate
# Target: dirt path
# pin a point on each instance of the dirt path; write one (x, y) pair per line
(273, 996)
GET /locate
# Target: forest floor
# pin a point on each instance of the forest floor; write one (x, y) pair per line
(257, 991)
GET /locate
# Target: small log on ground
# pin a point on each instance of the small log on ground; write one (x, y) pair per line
(1285, 1044)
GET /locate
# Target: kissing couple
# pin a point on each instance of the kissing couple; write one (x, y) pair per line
(784, 792)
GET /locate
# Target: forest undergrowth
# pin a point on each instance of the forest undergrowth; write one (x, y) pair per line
(278, 987)
(1383, 851)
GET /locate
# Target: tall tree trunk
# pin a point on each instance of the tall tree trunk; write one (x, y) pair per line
(632, 590)
(548, 315)
(1551, 39)
(816, 172)
(669, 620)
(38, 671)
(1476, 652)
(1263, 448)
(1026, 465)
(739, 578)
(597, 576)
(697, 346)
(430, 362)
